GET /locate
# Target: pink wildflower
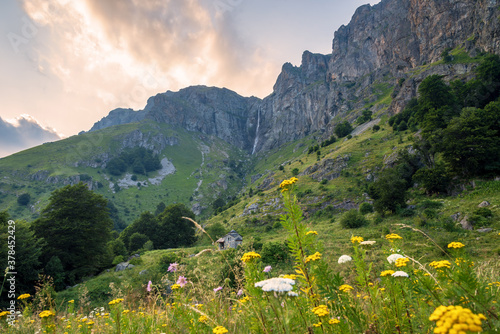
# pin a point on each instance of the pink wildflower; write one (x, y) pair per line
(218, 289)
(182, 281)
(149, 286)
(173, 267)
(267, 269)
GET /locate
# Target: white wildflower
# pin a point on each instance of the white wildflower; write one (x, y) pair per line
(367, 242)
(399, 273)
(293, 294)
(393, 257)
(344, 259)
(276, 284)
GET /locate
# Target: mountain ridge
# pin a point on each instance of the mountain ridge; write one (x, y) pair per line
(380, 45)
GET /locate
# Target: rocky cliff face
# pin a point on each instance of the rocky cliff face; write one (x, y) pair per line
(380, 46)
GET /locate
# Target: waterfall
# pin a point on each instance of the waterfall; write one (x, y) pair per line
(256, 132)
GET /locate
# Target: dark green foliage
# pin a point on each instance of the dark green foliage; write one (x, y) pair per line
(24, 199)
(118, 224)
(447, 58)
(434, 180)
(274, 253)
(343, 129)
(160, 208)
(117, 247)
(327, 142)
(146, 224)
(353, 219)
(137, 241)
(483, 212)
(54, 269)
(76, 227)
(388, 192)
(28, 249)
(218, 203)
(139, 160)
(365, 208)
(365, 117)
(295, 171)
(216, 230)
(118, 259)
(428, 204)
(471, 142)
(376, 128)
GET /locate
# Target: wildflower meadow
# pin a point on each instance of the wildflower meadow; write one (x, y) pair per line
(394, 294)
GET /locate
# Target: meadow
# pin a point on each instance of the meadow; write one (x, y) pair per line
(374, 287)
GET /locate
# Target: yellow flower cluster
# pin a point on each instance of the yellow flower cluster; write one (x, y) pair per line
(393, 236)
(290, 276)
(456, 319)
(314, 257)
(440, 264)
(72, 301)
(286, 184)
(116, 301)
(203, 318)
(402, 261)
(356, 239)
(244, 299)
(247, 257)
(334, 321)
(318, 324)
(312, 232)
(387, 273)
(455, 244)
(219, 330)
(175, 287)
(45, 314)
(4, 313)
(320, 310)
(24, 296)
(345, 288)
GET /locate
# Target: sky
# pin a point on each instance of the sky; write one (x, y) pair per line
(65, 64)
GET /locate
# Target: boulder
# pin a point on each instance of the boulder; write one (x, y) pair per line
(466, 224)
(483, 204)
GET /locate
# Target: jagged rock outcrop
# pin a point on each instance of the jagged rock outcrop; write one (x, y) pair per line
(380, 46)
(119, 116)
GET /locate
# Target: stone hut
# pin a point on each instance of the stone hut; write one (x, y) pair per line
(230, 240)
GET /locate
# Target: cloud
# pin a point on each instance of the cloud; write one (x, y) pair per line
(22, 133)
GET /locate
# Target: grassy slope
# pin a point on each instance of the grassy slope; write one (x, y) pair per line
(59, 159)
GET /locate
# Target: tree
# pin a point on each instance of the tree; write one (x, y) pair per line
(388, 192)
(175, 231)
(353, 219)
(54, 269)
(434, 180)
(216, 230)
(137, 241)
(343, 129)
(24, 199)
(28, 250)
(146, 224)
(76, 227)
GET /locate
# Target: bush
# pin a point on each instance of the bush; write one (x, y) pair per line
(343, 129)
(136, 261)
(375, 128)
(365, 208)
(274, 253)
(353, 219)
(483, 212)
(24, 199)
(118, 259)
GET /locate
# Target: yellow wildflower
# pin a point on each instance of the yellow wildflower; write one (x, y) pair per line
(456, 319)
(24, 296)
(401, 262)
(219, 330)
(203, 318)
(116, 301)
(175, 287)
(333, 321)
(393, 236)
(312, 232)
(247, 257)
(345, 288)
(387, 273)
(455, 244)
(290, 276)
(314, 257)
(286, 184)
(440, 264)
(318, 324)
(244, 299)
(4, 313)
(356, 239)
(320, 310)
(72, 301)
(46, 314)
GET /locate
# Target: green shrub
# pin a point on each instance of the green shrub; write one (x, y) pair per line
(118, 259)
(274, 253)
(483, 212)
(365, 208)
(430, 213)
(353, 219)
(136, 261)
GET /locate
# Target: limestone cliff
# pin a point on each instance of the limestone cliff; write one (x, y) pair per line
(372, 60)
